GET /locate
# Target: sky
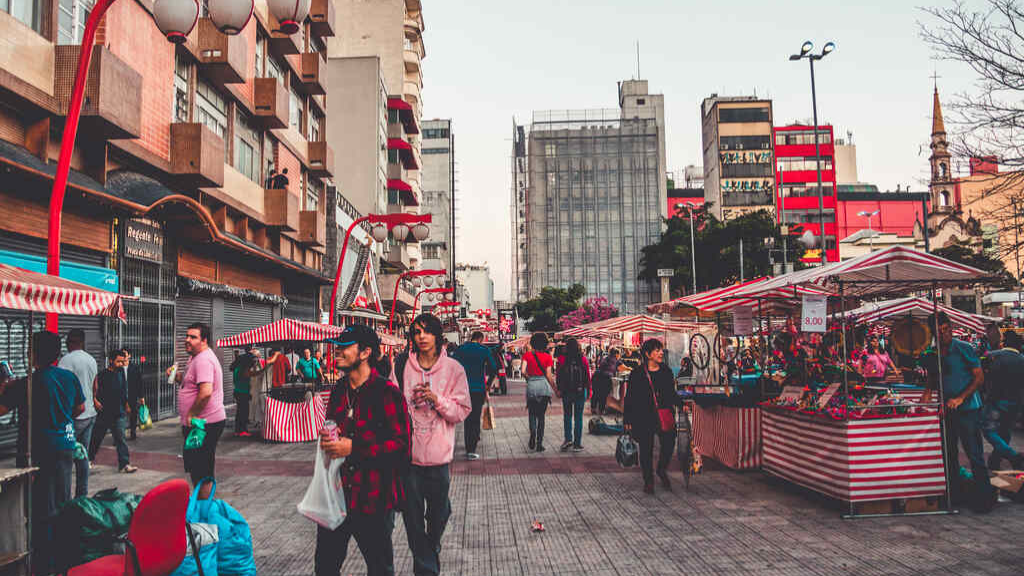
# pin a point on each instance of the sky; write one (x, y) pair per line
(490, 62)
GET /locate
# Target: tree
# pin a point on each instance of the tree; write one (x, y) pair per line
(717, 246)
(594, 309)
(980, 260)
(550, 305)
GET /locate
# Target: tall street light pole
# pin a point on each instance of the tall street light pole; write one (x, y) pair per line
(693, 250)
(805, 52)
(429, 277)
(871, 233)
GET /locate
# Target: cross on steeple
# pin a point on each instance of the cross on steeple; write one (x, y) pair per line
(935, 79)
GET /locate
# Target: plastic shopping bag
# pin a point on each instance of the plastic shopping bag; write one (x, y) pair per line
(626, 451)
(324, 502)
(196, 435)
(145, 418)
(206, 537)
(234, 548)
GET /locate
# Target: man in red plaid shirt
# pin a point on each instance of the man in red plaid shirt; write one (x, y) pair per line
(373, 429)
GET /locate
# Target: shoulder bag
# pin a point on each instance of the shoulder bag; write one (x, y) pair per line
(537, 386)
(666, 418)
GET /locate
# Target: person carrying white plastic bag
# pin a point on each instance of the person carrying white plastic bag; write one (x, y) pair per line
(324, 502)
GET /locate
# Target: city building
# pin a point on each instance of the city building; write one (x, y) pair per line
(739, 173)
(678, 198)
(478, 287)
(797, 196)
(438, 181)
(169, 199)
(594, 195)
(845, 157)
(898, 213)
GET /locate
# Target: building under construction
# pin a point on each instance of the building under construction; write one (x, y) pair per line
(589, 192)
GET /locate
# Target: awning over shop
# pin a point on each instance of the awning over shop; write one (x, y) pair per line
(22, 289)
(919, 308)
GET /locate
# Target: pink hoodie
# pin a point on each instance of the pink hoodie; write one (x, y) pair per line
(433, 428)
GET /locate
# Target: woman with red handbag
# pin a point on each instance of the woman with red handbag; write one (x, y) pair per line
(649, 411)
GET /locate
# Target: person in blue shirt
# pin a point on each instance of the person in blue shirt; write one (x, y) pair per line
(1004, 390)
(476, 359)
(961, 379)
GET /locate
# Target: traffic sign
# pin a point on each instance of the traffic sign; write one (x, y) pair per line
(666, 272)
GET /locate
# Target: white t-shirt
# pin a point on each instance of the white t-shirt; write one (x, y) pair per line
(83, 365)
(293, 360)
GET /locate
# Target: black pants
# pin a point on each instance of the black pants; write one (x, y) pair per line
(200, 462)
(426, 514)
(602, 388)
(537, 408)
(472, 425)
(645, 438)
(242, 412)
(373, 536)
(133, 418)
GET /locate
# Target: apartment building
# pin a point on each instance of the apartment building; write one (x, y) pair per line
(169, 198)
(739, 166)
(797, 191)
(438, 180)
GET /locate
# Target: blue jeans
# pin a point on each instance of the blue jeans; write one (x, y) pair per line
(1000, 416)
(965, 426)
(116, 425)
(426, 514)
(572, 408)
(83, 435)
(52, 487)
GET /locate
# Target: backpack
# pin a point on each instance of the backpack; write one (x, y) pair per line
(400, 361)
(572, 378)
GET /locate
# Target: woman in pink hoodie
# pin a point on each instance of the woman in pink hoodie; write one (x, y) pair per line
(437, 392)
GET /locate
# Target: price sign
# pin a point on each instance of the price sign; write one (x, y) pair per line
(791, 393)
(743, 320)
(812, 318)
(827, 395)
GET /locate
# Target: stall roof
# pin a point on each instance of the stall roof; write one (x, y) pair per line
(22, 289)
(919, 308)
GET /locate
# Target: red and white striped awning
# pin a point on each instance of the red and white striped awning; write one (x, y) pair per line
(919, 308)
(725, 299)
(26, 290)
(633, 323)
(281, 331)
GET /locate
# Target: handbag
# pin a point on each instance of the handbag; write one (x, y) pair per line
(666, 418)
(487, 419)
(626, 451)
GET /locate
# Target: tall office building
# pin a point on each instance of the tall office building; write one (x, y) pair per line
(739, 168)
(594, 195)
(438, 181)
(797, 179)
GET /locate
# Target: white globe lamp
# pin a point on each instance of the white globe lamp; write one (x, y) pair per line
(420, 232)
(176, 18)
(400, 232)
(230, 16)
(289, 13)
(379, 232)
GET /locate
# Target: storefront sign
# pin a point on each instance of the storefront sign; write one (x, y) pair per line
(743, 320)
(812, 319)
(144, 240)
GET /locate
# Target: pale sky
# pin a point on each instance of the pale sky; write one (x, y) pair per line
(489, 61)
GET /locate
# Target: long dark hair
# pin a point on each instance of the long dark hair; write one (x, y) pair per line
(572, 350)
(430, 324)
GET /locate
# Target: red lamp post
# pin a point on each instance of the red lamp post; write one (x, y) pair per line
(446, 291)
(430, 279)
(175, 18)
(399, 225)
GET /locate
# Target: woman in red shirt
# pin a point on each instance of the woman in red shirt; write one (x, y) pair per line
(540, 378)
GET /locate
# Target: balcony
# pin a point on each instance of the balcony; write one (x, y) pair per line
(412, 60)
(222, 58)
(270, 102)
(411, 93)
(281, 44)
(113, 93)
(321, 16)
(313, 75)
(281, 210)
(397, 255)
(321, 159)
(197, 155)
(312, 228)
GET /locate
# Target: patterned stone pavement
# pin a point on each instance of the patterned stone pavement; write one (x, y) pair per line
(597, 520)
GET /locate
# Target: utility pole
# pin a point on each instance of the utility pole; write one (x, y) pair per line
(741, 261)
(1016, 249)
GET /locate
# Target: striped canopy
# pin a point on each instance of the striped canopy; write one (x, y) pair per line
(633, 323)
(725, 299)
(919, 308)
(288, 329)
(895, 269)
(26, 290)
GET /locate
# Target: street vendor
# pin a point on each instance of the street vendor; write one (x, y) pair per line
(961, 378)
(875, 362)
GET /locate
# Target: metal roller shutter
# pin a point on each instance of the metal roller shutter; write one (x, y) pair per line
(187, 310)
(239, 317)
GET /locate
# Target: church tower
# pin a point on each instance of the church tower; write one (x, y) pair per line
(942, 185)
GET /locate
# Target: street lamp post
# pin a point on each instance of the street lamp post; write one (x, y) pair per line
(805, 52)
(871, 233)
(397, 223)
(175, 19)
(430, 274)
(693, 250)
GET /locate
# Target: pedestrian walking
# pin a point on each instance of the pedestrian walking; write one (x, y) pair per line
(438, 396)
(112, 404)
(1004, 385)
(373, 437)
(201, 396)
(573, 379)
(962, 378)
(84, 367)
(540, 377)
(245, 366)
(476, 360)
(649, 412)
(133, 379)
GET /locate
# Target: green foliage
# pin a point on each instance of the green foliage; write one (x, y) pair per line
(717, 249)
(550, 305)
(980, 260)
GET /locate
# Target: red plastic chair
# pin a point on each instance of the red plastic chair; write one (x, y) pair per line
(156, 537)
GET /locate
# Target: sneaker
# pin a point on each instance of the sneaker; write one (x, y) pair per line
(472, 456)
(565, 446)
(540, 448)
(577, 447)
(129, 469)
(533, 442)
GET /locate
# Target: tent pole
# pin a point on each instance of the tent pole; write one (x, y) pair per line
(846, 372)
(946, 464)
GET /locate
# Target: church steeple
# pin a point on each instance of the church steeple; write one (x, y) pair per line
(938, 126)
(942, 183)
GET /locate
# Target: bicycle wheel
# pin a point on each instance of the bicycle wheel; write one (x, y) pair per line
(729, 353)
(684, 445)
(700, 351)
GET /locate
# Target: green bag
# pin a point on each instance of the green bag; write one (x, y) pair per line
(85, 528)
(80, 453)
(196, 435)
(145, 418)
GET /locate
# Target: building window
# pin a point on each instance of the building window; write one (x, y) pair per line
(803, 164)
(316, 123)
(313, 189)
(274, 70)
(431, 251)
(211, 108)
(25, 11)
(181, 112)
(246, 148)
(730, 115)
(944, 198)
(268, 153)
(71, 18)
(641, 101)
(435, 133)
(745, 142)
(550, 149)
(789, 138)
(261, 41)
(436, 150)
(295, 112)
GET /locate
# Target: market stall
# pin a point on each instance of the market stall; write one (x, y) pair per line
(870, 448)
(33, 292)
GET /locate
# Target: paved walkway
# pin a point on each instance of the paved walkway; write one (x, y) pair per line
(598, 521)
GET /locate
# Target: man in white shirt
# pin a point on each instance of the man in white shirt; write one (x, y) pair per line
(293, 361)
(83, 365)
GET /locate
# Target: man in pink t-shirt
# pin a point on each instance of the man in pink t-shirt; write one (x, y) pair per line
(201, 396)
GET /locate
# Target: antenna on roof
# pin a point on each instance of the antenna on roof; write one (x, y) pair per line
(637, 59)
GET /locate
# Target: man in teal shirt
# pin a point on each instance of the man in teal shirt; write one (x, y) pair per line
(308, 368)
(475, 359)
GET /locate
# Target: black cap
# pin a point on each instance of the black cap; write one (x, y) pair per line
(359, 334)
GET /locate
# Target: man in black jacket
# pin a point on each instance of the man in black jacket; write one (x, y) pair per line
(133, 379)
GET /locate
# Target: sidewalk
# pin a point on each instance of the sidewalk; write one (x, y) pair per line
(598, 521)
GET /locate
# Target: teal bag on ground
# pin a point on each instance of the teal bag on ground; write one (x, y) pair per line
(87, 527)
(206, 538)
(196, 434)
(234, 549)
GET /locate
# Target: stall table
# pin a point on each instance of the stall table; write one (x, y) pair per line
(728, 434)
(295, 421)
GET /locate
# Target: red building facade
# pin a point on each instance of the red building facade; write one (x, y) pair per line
(796, 175)
(897, 211)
